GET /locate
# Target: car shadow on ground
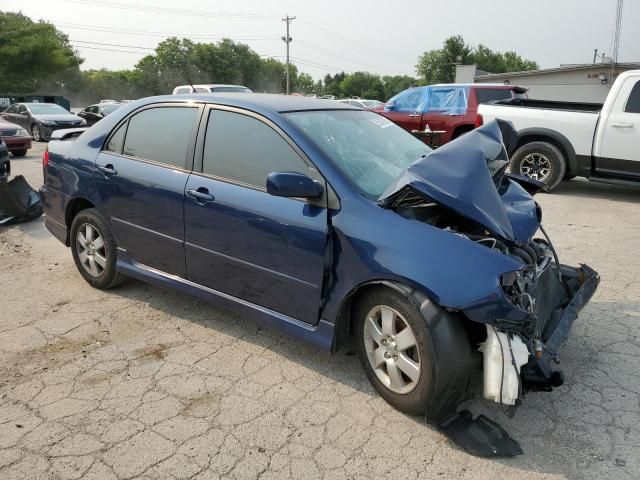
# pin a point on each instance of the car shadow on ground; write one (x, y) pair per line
(554, 429)
(580, 187)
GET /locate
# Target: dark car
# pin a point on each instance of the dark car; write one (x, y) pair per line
(448, 108)
(330, 223)
(41, 119)
(94, 113)
(16, 138)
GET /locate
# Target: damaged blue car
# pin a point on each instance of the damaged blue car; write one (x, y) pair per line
(337, 227)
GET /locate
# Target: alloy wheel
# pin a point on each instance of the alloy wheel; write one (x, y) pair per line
(35, 132)
(536, 166)
(391, 348)
(91, 250)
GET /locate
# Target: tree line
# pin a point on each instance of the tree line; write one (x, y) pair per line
(36, 57)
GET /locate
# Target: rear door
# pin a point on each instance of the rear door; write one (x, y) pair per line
(620, 147)
(140, 176)
(242, 241)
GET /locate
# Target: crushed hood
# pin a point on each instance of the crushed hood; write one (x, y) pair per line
(468, 177)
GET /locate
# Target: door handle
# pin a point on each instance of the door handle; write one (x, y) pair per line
(108, 170)
(414, 114)
(622, 125)
(201, 195)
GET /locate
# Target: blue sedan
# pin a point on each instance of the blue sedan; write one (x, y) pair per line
(333, 225)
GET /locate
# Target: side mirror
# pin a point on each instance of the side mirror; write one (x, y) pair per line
(292, 184)
(390, 106)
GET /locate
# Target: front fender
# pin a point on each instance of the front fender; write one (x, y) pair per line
(373, 244)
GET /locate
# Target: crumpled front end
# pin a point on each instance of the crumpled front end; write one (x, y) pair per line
(463, 189)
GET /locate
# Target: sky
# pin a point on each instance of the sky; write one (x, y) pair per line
(333, 35)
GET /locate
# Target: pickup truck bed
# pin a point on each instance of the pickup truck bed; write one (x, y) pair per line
(562, 140)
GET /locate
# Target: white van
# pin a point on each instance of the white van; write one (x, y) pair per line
(211, 88)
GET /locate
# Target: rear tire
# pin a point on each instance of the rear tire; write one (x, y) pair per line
(391, 358)
(94, 250)
(19, 153)
(541, 161)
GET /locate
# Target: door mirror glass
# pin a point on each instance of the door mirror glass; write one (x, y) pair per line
(293, 184)
(390, 106)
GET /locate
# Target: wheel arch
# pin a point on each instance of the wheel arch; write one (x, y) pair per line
(74, 206)
(453, 338)
(556, 139)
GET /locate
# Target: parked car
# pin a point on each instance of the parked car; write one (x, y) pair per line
(41, 119)
(328, 97)
(450, 108)
(362, 103)
(94, 113)
(126, 101)
(5, 164)
(108, 100)
(16, 138)
(562, 140)
(211, 88)
(327, 222)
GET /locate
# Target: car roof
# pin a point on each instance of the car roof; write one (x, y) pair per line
(270, 101)
(210, 85)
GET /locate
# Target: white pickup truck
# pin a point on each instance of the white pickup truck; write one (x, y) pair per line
(562, 140)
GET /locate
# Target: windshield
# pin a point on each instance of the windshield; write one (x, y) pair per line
(47, 108)
(110, 108)
(369, 149)
(230, 89)
(372, 103)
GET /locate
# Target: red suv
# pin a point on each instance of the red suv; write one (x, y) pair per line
(450, 107)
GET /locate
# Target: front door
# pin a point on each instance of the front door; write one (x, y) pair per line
(620, 148)
(140, 176)
(406, 110)
(242, 241)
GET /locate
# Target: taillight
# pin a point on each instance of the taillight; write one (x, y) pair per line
(479, 121)
(45, 158)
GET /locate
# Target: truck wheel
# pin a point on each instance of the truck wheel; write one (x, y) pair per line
(94, 250)
(541, 161)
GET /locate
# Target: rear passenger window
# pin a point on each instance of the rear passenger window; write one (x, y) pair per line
(161, 134)
(486, 95)
(183, 90)
(114, 144)
(633, 103)
(411, 101)
(241, 148)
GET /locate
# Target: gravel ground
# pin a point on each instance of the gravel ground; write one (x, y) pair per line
(146, 383)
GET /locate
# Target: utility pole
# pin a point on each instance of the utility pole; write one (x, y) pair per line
(287, 39)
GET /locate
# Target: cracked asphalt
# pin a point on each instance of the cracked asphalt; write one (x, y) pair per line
(139, 382)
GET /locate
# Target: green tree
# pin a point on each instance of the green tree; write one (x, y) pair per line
(438, 66)
(305, 83)
(31, 53)
(397, 83)
(362, 84)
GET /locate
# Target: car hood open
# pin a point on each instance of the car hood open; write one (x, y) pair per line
(468, 177)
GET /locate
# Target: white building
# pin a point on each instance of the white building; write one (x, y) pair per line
(576, 83)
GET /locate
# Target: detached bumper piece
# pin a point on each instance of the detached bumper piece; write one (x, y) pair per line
(479, 436)
(577, 288)
(18, 202)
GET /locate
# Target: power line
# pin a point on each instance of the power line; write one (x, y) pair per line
(110, 50)
(112, 44)
(328, 52)
(172, 11)
(98, 28)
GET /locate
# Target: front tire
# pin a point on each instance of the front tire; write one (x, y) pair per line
(541, 161)
(36, 133)
(94, 250)
(396, 349)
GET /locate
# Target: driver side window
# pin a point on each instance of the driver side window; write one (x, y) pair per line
(244, 149)
(409, 102)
